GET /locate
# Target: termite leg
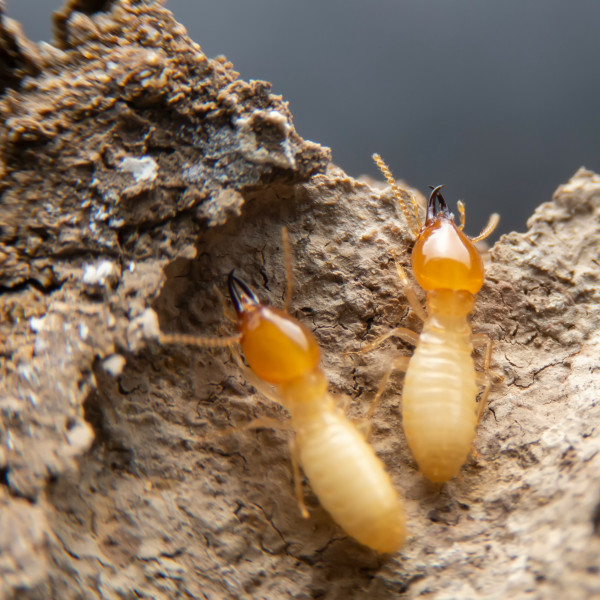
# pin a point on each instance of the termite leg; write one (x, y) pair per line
(261, 386)
(294, 456)
(480, 339)
(402, 332)
(289, 277)
(264, 423)
(258, 423)
(400, 363)
(484, 380)
(409, 291)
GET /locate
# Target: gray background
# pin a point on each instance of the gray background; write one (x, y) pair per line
(498, 100)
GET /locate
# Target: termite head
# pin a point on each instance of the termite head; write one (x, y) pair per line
(278, 348)
(443, 256)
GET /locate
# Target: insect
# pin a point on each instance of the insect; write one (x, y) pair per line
(342, 468)
(440, 411)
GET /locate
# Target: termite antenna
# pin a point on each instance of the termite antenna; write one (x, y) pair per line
(489, 228)
(241, 294)
(186, 339)
(412, 220)
(432, 211)
(461, 211)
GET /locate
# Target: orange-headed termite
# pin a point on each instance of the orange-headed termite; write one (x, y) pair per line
(342, 468)
(440, 411)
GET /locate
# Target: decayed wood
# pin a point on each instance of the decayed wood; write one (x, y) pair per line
(136, 174)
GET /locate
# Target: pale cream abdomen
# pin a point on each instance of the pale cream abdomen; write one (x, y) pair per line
(351, 482)
(439, 400)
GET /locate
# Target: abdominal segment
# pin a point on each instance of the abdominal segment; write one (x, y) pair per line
(352, 484)
(439, 408)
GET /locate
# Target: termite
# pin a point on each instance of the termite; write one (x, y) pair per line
(342, 468)
(440, 411)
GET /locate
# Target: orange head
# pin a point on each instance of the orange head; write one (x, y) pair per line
(443, 256)
(278, 348)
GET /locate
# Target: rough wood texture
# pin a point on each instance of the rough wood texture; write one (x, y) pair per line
(136, 174)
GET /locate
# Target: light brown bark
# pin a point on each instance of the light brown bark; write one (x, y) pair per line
(136, 174)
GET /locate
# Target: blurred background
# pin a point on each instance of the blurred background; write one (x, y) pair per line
(500, 101)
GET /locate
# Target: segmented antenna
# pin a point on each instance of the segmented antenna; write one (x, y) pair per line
(186, 339)
(412, 220)
(489, 228)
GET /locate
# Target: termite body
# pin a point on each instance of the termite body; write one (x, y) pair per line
(440, 411)
(342, 468)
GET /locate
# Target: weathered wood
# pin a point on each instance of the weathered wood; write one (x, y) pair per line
(136, 173)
